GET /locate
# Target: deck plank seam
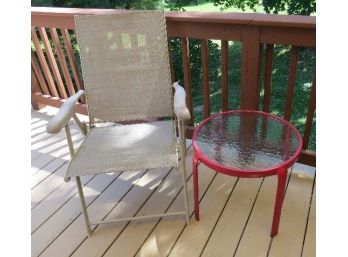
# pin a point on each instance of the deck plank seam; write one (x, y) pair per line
(50, 173)
(246, 222)
(116, 204)
(61, 206)
(57, 139)
(183, 229)
(160, 219)
(37, 203)
(307, 221)
(217, 220)
(140, 207)
(78, 215)
(44, 166)
(77, 140)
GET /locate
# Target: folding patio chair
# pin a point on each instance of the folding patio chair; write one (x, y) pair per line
(126, 72)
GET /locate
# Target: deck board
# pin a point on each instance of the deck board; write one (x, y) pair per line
(310, 240)
(105, 235)
(236, 214)
(158, 203)
(163, 238)
(63, 217)
(74, 235)
(226, 235)
(49, 185)
(258, 228)
(192, 241)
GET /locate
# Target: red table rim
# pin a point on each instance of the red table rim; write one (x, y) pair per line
(226, 169)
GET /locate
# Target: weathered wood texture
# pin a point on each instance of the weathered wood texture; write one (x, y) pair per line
(253, 30)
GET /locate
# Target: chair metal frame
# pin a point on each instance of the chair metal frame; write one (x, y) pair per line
(66, 112)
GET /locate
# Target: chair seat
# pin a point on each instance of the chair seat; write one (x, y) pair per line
(125, 147)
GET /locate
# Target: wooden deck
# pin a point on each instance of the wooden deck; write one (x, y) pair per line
(236, 214)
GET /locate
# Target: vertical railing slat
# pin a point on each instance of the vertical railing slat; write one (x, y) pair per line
(170, 60)
(291, 81)
(268, 77)
(34, 83)
(72, 59)
(62, 61)
(187, 76)
(38, 73)
(224, 75)
(205, 77)
(52, 61)
(310, 115)
(44, 65)
(35, 89)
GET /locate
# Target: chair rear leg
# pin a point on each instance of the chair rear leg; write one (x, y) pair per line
(183, 177)
(83, 206)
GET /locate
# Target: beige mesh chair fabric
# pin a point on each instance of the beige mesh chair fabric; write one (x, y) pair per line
(126, 147)
(125, 65)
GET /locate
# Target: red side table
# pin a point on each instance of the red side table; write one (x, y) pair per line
(247, 144)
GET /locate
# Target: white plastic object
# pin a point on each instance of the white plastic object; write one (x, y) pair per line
(64, 114)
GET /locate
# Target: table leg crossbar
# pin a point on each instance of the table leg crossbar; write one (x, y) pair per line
(138, 218)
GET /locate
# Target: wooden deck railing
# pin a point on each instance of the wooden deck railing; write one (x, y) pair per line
(56, 76)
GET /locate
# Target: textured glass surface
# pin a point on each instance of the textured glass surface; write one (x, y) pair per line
(247, 141)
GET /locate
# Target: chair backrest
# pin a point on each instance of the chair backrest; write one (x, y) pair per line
(125, 65)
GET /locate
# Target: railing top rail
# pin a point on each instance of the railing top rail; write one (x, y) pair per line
(256, 19)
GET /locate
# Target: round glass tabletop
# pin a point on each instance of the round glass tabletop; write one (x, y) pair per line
(247, 141)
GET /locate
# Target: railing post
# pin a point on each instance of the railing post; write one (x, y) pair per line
(250, 67)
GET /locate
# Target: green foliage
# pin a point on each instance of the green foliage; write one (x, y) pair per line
(301, 7)
(127, 4)
(178, 5)
(195, 61)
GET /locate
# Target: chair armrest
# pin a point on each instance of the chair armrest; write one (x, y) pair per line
(180, 108)
(64, 114)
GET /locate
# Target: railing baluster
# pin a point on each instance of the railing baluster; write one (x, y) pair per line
(34, 83)
(72, 59)
(268, 77)
(205, 77)
(224, 75)
(310, 115)
(62, 61)
(35, 89)
(52, 61)
(38, 73)
(291, 81)
(44, 65)
(170, 60)
(187, 76)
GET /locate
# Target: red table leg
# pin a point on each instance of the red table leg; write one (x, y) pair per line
(195, 187)
(282, 174)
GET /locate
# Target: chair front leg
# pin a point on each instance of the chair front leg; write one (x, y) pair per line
(183, 168)
(83, 206)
